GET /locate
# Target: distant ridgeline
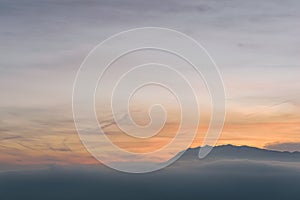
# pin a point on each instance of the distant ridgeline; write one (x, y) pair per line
(230, 152)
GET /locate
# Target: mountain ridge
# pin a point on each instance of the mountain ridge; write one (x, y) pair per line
(230, 151)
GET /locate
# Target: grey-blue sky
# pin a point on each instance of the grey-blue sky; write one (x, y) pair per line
(51, 38)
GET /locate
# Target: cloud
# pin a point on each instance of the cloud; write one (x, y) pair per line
(216, 180)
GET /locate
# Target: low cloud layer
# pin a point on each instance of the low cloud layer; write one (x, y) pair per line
(215, 180)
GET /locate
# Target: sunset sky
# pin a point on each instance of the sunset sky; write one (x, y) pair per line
(255, 44)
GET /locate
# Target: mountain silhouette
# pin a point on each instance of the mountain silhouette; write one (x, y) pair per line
(231, 152)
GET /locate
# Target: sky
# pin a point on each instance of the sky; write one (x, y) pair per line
(255, 45)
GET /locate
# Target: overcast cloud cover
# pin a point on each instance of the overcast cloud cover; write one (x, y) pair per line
(239, 179)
